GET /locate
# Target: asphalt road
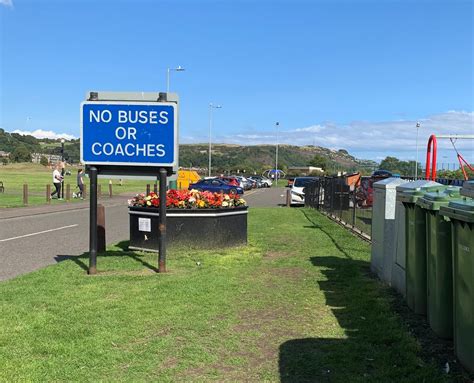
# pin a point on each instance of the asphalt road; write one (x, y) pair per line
(32, 238)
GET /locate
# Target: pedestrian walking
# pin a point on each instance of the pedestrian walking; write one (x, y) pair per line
(57, 179)
(80, 183)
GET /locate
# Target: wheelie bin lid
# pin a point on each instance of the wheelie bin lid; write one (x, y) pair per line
(462, 210)
(411, 195)
(434, 200)
(467, 189)
(389, 183)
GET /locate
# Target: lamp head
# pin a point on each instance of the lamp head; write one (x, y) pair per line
(63, 140)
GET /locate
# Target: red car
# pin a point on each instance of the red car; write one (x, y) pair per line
(231, 181)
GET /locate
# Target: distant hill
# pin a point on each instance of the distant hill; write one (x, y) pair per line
(261, 157)
(251, 158)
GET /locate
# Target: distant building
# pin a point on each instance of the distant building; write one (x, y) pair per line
(52, 158)
(4, 154)
(304, 170)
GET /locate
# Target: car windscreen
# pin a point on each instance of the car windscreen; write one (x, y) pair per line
(301, 182)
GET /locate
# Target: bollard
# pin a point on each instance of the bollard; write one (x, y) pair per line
(25, 194)
(84, 193)
(68, 193)
(99, 190)
(147, 189)
(155, 188)
(110, 188)
(288, 197)
(48, 193)
(100, 228)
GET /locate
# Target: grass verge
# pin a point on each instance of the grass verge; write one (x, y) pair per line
(14, 176)
(295, 305)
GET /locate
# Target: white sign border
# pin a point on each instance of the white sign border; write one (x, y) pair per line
(174, 164)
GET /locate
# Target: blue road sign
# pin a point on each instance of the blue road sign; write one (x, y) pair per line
(129, 133)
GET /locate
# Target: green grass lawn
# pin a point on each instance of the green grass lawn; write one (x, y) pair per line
(37, 177)
(295, 305)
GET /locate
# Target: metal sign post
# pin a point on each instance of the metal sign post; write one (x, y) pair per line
(126, 134)
(93, 222)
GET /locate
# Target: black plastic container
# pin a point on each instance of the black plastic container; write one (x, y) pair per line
(197, 228)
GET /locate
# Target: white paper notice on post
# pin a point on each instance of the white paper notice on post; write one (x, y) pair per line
(144, 224)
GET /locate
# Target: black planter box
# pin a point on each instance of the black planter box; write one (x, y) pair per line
(197, 228)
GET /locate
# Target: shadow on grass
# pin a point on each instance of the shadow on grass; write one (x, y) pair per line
(82, 260)
(314, 225)
(374, 346)
(381, 337)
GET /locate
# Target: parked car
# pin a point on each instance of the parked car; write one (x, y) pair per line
(216, 185)
(264, 181)
(298, 189)
(244, 183)
(231, 180)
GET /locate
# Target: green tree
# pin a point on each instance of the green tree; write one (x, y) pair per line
(319, 162)
(44, 161)
(20, 154)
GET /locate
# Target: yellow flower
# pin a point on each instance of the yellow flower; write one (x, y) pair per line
(148, 203)
(201, 203)
(148, 198)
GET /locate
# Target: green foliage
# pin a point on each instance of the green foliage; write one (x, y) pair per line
(404, 168)
(319, 161)
(44, 161)
(20, 154)
(10, 141)
(455, 174)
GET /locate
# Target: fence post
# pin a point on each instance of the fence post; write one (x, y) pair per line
(354, 203)
(99, 190)
(84, 193)
(288, 197)
(100, 228)
(147, 189)
(25, 194)
(48, 193)
(68, 192)
(110, 188)
(155, 188)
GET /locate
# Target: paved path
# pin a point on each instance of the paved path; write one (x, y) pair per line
(34, 237)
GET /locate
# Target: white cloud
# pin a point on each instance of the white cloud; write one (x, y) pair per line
(391, 137)
(39, 133)
(7, 3)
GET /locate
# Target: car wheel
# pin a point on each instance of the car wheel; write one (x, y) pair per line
(233, 191)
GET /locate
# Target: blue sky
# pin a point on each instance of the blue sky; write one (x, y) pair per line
(345, 74)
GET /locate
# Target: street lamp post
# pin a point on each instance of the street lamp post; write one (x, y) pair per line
(211, 106)
(276, 155)
(179, 68)
(416, 160)
(62, 168)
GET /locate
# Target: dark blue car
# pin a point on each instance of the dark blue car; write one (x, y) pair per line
(216, 186)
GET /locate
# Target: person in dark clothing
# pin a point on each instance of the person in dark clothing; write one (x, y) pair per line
(80, 183)
(57, 179)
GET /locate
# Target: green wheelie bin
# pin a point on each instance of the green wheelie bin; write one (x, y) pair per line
(461, 214)
(439, 278)
(415, 239)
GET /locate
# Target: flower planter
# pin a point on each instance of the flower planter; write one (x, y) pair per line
(197, 228)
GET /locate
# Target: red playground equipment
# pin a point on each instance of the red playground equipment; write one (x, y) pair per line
(431, 153)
